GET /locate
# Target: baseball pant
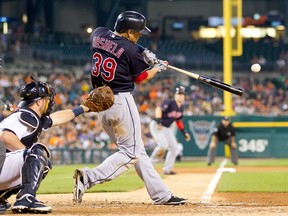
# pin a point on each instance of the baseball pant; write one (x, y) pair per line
(122, 123)
(11, 171)
(166, 140)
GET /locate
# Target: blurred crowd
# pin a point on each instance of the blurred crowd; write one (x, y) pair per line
(266, 97)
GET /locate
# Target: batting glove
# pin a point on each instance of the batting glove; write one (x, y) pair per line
(150, 57)
(162, 65)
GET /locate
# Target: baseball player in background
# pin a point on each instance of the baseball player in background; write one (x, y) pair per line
(27, 162)
(119, 62)
(223, 132)
(161, 130)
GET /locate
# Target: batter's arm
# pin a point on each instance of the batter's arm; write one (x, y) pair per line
(146, 76)
(11, 141)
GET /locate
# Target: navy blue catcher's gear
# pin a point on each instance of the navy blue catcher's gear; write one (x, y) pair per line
(131, 20)
(35, 168)
(34, 91)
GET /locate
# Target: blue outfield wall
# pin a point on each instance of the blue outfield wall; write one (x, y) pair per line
(256, 136)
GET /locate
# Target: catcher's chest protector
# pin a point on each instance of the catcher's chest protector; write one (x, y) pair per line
(31, 119)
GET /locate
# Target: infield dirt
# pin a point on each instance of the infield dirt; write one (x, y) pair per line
(189, 183)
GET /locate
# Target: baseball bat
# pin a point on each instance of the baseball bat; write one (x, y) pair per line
(213, 82)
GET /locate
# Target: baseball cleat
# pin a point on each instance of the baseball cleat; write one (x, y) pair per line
(29, 204)
(78, 190)
(174, 200)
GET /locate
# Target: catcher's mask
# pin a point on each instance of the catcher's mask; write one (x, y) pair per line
(34, 91)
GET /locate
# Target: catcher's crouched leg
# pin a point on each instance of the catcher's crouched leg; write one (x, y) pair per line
(35, 168)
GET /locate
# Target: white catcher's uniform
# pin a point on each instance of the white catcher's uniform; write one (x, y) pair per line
(122, 123)
(11, 171)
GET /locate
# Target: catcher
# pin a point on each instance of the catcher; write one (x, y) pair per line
(27, 161)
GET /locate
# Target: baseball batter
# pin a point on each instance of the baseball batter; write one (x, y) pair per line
(160, 128)
(118, 62)
(27, 162)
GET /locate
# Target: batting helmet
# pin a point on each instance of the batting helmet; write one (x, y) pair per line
(35, 91)
(131, 20)
(180, 90)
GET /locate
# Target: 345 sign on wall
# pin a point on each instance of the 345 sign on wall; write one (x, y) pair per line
(252, 145)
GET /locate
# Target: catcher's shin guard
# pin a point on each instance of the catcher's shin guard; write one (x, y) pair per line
(34, 169)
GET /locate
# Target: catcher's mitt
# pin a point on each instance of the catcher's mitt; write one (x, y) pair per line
(99, 99)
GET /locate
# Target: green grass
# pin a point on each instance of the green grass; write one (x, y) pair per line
(256, 162)
(264, 162)
(253, 182)
(60, 178)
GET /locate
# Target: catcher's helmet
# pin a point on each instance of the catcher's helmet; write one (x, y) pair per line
(180, 90)
(131, 20)
(34, 91)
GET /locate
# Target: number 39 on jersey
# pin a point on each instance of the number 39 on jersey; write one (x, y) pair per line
(104, 67)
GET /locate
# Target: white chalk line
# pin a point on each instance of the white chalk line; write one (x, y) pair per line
(206, 197)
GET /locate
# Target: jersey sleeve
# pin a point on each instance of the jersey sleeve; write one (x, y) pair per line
(13, 124)
(138, 64)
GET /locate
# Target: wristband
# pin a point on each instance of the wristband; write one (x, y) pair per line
(78, 110)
